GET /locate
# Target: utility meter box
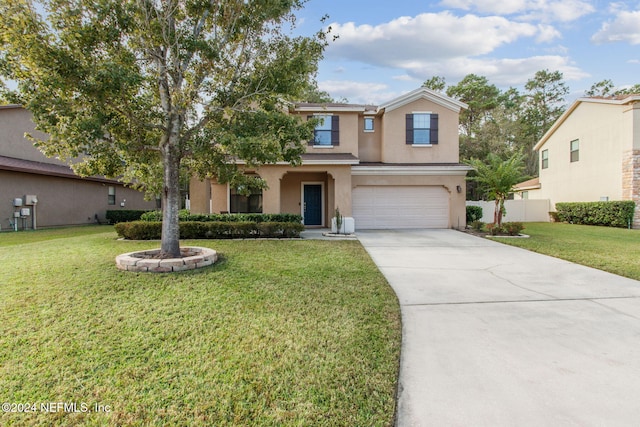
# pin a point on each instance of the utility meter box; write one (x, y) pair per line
(16, 214)
(17, 202)
(25, 212)
(30, 199)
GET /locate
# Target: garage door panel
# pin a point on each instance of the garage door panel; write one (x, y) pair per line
(379, 207)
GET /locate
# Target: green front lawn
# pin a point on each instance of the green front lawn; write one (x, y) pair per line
(277, 333)
(616, 250)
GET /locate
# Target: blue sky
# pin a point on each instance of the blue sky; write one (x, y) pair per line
(386, 48)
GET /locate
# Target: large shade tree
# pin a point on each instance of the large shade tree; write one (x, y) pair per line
(142, 89)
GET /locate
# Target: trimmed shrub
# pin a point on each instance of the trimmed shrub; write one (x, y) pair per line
(193, 230)
(493, 229)
(477, 225)
(610, 214)
(512, 228)
(139, 230)
(151, 216)
(147, 230)
(116, 216)
(474, 213)
(292, 229)
(255, 218)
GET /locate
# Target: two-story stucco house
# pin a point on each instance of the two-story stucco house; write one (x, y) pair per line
(61, 197)
(390, 166)
(591, 153)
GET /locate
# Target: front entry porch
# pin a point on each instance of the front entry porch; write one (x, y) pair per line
(312, 191)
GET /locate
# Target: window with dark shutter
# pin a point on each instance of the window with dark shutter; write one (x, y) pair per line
(335, 130)
(433, 130)
(422, 128)
(409, 120)
(312, 140)
(327, 130)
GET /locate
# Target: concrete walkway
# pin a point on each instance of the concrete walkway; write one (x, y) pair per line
(494, 335)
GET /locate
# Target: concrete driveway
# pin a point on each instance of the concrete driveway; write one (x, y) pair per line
(494, 335)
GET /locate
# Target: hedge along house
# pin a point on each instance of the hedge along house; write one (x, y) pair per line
(61, 197)
(590, 154)
(390, 166)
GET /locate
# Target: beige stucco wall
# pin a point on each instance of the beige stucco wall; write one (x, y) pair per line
(370, 146)
(605, 134)
(64, 201)
(457, 212)
(394, 148)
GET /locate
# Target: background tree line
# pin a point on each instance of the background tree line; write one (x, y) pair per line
(506, 123)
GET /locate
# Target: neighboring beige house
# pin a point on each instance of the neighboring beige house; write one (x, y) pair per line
(591, 153)
(390, 166)
(62, 198)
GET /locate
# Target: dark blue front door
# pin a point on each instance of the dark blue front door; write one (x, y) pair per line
(312, 204)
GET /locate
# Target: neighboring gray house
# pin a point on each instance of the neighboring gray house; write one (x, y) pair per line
(61, 197)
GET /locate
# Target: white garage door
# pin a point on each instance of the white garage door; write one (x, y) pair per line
(379, 207)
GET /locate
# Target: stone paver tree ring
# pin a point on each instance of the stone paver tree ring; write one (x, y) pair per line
(149, 261)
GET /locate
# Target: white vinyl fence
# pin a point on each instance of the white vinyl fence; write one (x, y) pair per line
(527, 210)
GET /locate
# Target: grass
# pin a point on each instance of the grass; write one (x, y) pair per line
(277, 333)
(616, 250)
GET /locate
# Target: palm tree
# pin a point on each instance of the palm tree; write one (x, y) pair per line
(496, 178)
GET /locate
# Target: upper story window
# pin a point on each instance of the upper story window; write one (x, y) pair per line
(544, 159)
(422, 128)
(368, 124)
(575, 150)
(327, 131)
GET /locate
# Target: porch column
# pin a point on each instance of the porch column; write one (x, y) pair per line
(271, 196)
(342, 190)
(200, 195)
(219, 197)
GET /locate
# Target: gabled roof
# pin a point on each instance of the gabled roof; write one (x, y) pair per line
(329, 106)
(428, 94)
(338, 107)
(407, 98)
(615, 100)
(48, 169)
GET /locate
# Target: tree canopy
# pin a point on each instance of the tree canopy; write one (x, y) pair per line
(505, 122)
(140, 89)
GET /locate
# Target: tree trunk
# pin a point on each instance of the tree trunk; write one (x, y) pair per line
(170, 245)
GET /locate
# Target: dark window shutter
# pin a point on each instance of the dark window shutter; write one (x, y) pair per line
(335, 130)
(311, 141)
(409, 119)
(433, 129)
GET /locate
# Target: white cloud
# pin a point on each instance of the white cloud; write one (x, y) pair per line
(502, 72)
(624, 28)
(506, 7)
(404, 78)
(358, 92)
(539, 10)
(547, 33)
(406, 42)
